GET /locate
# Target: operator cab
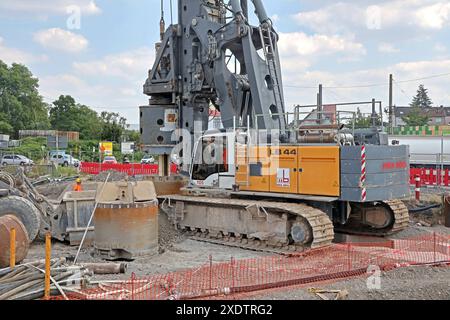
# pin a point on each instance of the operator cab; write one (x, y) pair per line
(213, 161)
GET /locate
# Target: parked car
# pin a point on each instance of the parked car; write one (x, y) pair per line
(148, 160)
(65, 160)
(110, 160)
(16, 160)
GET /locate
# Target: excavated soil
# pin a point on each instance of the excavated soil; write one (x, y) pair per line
(168, 236)
(114, 176)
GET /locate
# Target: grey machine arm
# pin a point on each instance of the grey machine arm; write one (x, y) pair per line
(210, 59)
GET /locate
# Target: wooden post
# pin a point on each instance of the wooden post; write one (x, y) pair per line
(12, 248)
(48, 256)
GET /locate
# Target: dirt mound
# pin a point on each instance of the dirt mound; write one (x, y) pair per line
(114, 176)
(168, 236)
(428, 217)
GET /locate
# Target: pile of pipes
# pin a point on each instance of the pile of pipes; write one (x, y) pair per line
(27, 281)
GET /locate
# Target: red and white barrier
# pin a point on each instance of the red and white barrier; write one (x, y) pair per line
(363, 174)
(430, 177)
(130, 169)
(417, 180)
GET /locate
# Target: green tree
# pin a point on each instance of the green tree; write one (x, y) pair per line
(113, 126)
(416, 118)
(63, 114)
(90, 123)
(5, 127)
(364, 121)
(421, 100)
(67, 115)
(20, 103)
(132, 136)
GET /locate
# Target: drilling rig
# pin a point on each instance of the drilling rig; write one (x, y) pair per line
(270, 180)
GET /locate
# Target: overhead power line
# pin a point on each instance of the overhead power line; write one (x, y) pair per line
(371, 85)
(426, 78)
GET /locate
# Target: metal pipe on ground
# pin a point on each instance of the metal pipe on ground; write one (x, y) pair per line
(28, 279)
(106, 268)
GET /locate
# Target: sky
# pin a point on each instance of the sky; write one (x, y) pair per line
(99, 51)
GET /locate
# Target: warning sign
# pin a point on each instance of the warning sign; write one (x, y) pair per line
(106, 148)
(284, 177)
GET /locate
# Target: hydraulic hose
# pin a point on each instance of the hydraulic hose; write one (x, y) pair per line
(422, 209)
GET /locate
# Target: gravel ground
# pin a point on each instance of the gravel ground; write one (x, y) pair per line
(187, 254)
(415, 230)
(113, 176)
(414, 283)
(176, 253)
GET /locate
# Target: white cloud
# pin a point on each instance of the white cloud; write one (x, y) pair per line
(301, 44)
(346, 17)
(45, 7)
(435, 16)
(62, 40)
(299, 51)
(301, 85)
(112, 83)
(128, 65)
(13, 55)
(387, 48)
(328, 19)
(439, 47)
(121, 97)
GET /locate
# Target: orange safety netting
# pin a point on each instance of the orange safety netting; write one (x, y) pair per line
(230, 278)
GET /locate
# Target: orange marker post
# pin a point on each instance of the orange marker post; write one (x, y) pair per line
(48, 256)
(12, 248)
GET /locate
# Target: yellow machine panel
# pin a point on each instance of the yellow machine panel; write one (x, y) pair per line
(308, 170)
(283, 169)
(253, 170)
(319, 170)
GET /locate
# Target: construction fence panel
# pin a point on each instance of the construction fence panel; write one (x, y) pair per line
(130, 169)
(430, 177)
(234, 278)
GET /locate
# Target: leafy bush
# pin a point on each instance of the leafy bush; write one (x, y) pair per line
(33, 148)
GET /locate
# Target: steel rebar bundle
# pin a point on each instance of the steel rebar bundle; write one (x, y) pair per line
(26, 281)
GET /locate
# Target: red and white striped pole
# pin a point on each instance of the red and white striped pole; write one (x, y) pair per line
(363, 174)
(417, 187)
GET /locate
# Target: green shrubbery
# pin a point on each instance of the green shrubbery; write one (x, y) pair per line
(33, 148)
(87, 151)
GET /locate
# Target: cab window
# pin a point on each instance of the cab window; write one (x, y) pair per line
(211, 158)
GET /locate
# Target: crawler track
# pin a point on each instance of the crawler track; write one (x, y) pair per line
(320, 224)
(401, 222)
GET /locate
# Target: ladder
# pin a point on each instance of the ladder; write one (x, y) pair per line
(270, 58)
(243, 160)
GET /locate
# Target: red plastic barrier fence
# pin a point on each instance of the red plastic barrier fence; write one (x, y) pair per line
(234, 278)
(130, 169)
(430, 177)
